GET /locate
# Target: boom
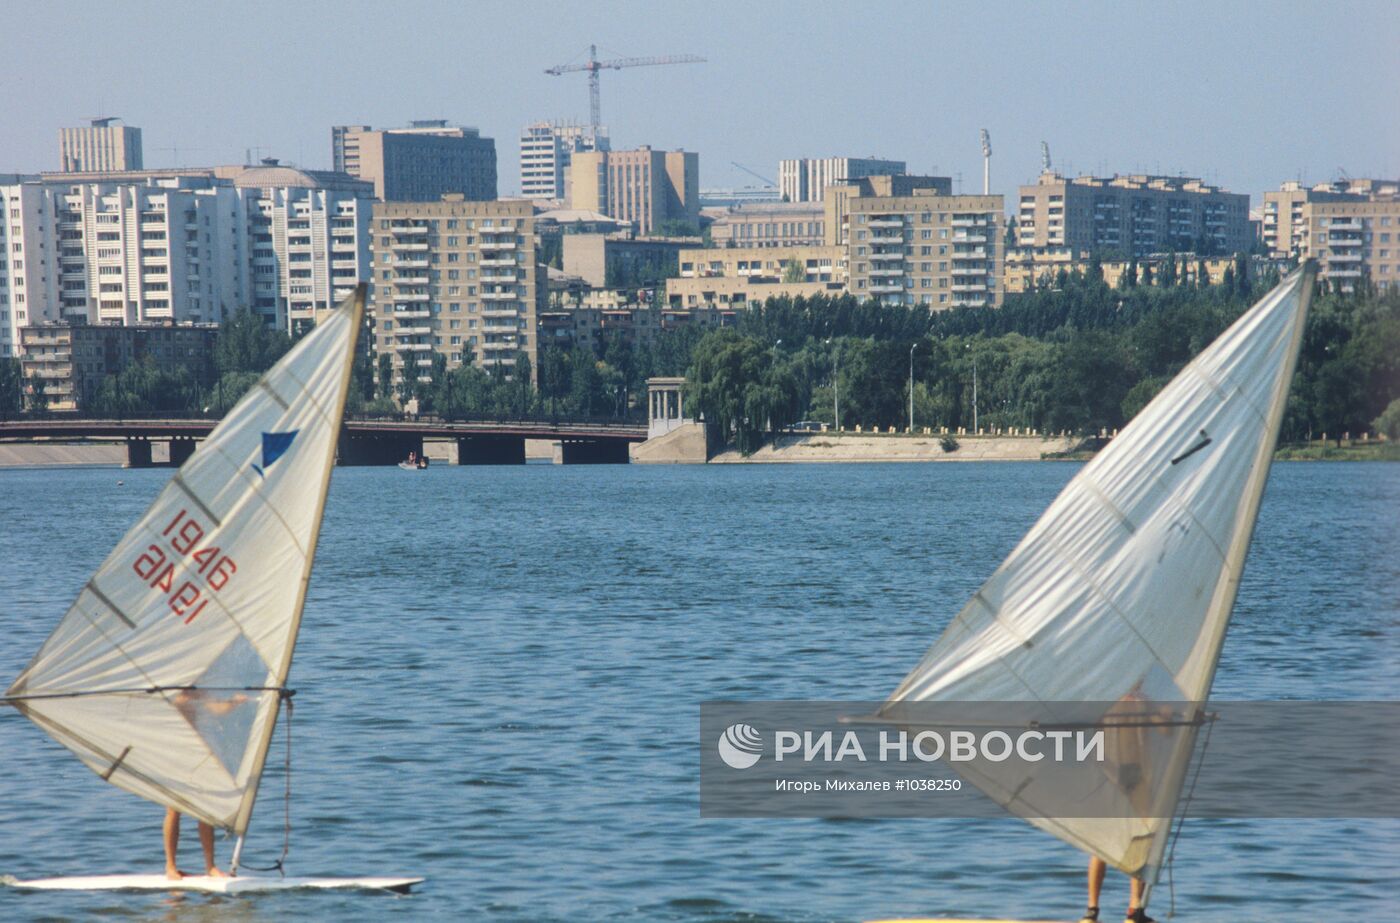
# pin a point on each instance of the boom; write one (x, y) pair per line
(593, 66)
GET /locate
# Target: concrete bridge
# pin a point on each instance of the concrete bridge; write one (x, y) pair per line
(363, 441)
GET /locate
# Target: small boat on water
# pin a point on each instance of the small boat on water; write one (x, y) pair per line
(167, 674)
(1120, 595)
(415, 462)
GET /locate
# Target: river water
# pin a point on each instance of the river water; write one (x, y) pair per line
(500, 673)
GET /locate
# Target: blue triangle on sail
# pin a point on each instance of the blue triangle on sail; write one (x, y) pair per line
(275, 445)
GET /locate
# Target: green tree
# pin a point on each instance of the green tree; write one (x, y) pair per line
(385, 376)
(793, 272)
(246, 344)
(1388, 423)
(742, 388)
(11, 388)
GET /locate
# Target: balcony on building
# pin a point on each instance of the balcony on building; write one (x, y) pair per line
(498, 262)
(407, 311)
(408, 230)
(411, 280)
(887, 271)
(885, 289)
(890, 222)
(412, 296)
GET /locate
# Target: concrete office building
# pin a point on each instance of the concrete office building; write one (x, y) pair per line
(806, 179)
(742, 277)
(547, 149)
(935, 251)
(1132, 215)
(565, 326)
(769, 224)
(420, 163)
(602, 259)
(103, 145)
(642, 186)
(455, 277)
(72, 360)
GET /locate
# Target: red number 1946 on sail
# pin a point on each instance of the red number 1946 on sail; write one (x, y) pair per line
(157, 568)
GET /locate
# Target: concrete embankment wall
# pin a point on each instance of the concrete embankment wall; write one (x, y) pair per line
(684, 445)
(52, 454)
(849, 447)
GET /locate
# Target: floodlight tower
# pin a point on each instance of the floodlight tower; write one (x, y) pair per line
(986, 163)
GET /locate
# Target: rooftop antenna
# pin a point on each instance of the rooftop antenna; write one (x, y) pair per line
(986, 163)
(1044, 157)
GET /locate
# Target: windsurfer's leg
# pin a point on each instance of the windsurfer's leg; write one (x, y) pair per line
(171, 832)
(1136, 911)
(206, 841)
(1097, 868)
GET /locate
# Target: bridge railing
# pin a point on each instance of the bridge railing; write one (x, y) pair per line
(64, 416)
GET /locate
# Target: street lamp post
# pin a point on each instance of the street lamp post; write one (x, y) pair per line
(911, 386)
(836, 389)
(974, 390)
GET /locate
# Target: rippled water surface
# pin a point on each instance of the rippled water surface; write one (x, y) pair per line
(500, 673)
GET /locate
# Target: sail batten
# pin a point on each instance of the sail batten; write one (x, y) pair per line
(1122, 591)
(175, 654)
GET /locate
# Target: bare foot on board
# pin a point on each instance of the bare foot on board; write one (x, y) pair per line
(173, 873)
(216, 872)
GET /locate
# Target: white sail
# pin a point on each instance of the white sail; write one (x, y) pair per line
(1121, 592)
(163, 676)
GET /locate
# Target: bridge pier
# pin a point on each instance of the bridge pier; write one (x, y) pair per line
(491, 450)
(378, 449)
(593, 452)
(138, 453)
(180, 451)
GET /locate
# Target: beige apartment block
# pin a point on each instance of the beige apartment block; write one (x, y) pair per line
(935, 251)
(642, 186)
(1131, 215)
(454, 277)
(1026, 269)
(769, 224)
(902, 184)
(420, 163)
(1354, 242)
(105, 144)
(600, 259)
(73, 360)
(764, 264)
(1284, 227)
(739, 293)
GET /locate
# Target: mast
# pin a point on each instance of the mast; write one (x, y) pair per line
(245, 812)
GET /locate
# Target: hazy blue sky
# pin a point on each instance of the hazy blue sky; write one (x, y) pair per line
(1245, 94)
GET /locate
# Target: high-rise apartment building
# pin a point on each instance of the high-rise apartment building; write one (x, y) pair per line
(927, 249)
(1132, 215)
(307, 239)
(458, 278)
(805, 179)
(894, 184)
(184, 246)
(1284, 230)
(102, 145)
(420, 163)
(547, 149)
(644, 187)
(1355, 237)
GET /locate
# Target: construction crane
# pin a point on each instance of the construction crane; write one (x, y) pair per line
(752, 173)
(1045, 156)
(593, 66)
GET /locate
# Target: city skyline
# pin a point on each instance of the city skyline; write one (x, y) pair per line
(1213, 91)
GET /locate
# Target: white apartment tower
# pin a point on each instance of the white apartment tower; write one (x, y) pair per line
(547, 149)
(184, 246)
(805, 179)
(102, 145)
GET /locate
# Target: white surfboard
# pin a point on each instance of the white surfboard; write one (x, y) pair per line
(239, 885)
